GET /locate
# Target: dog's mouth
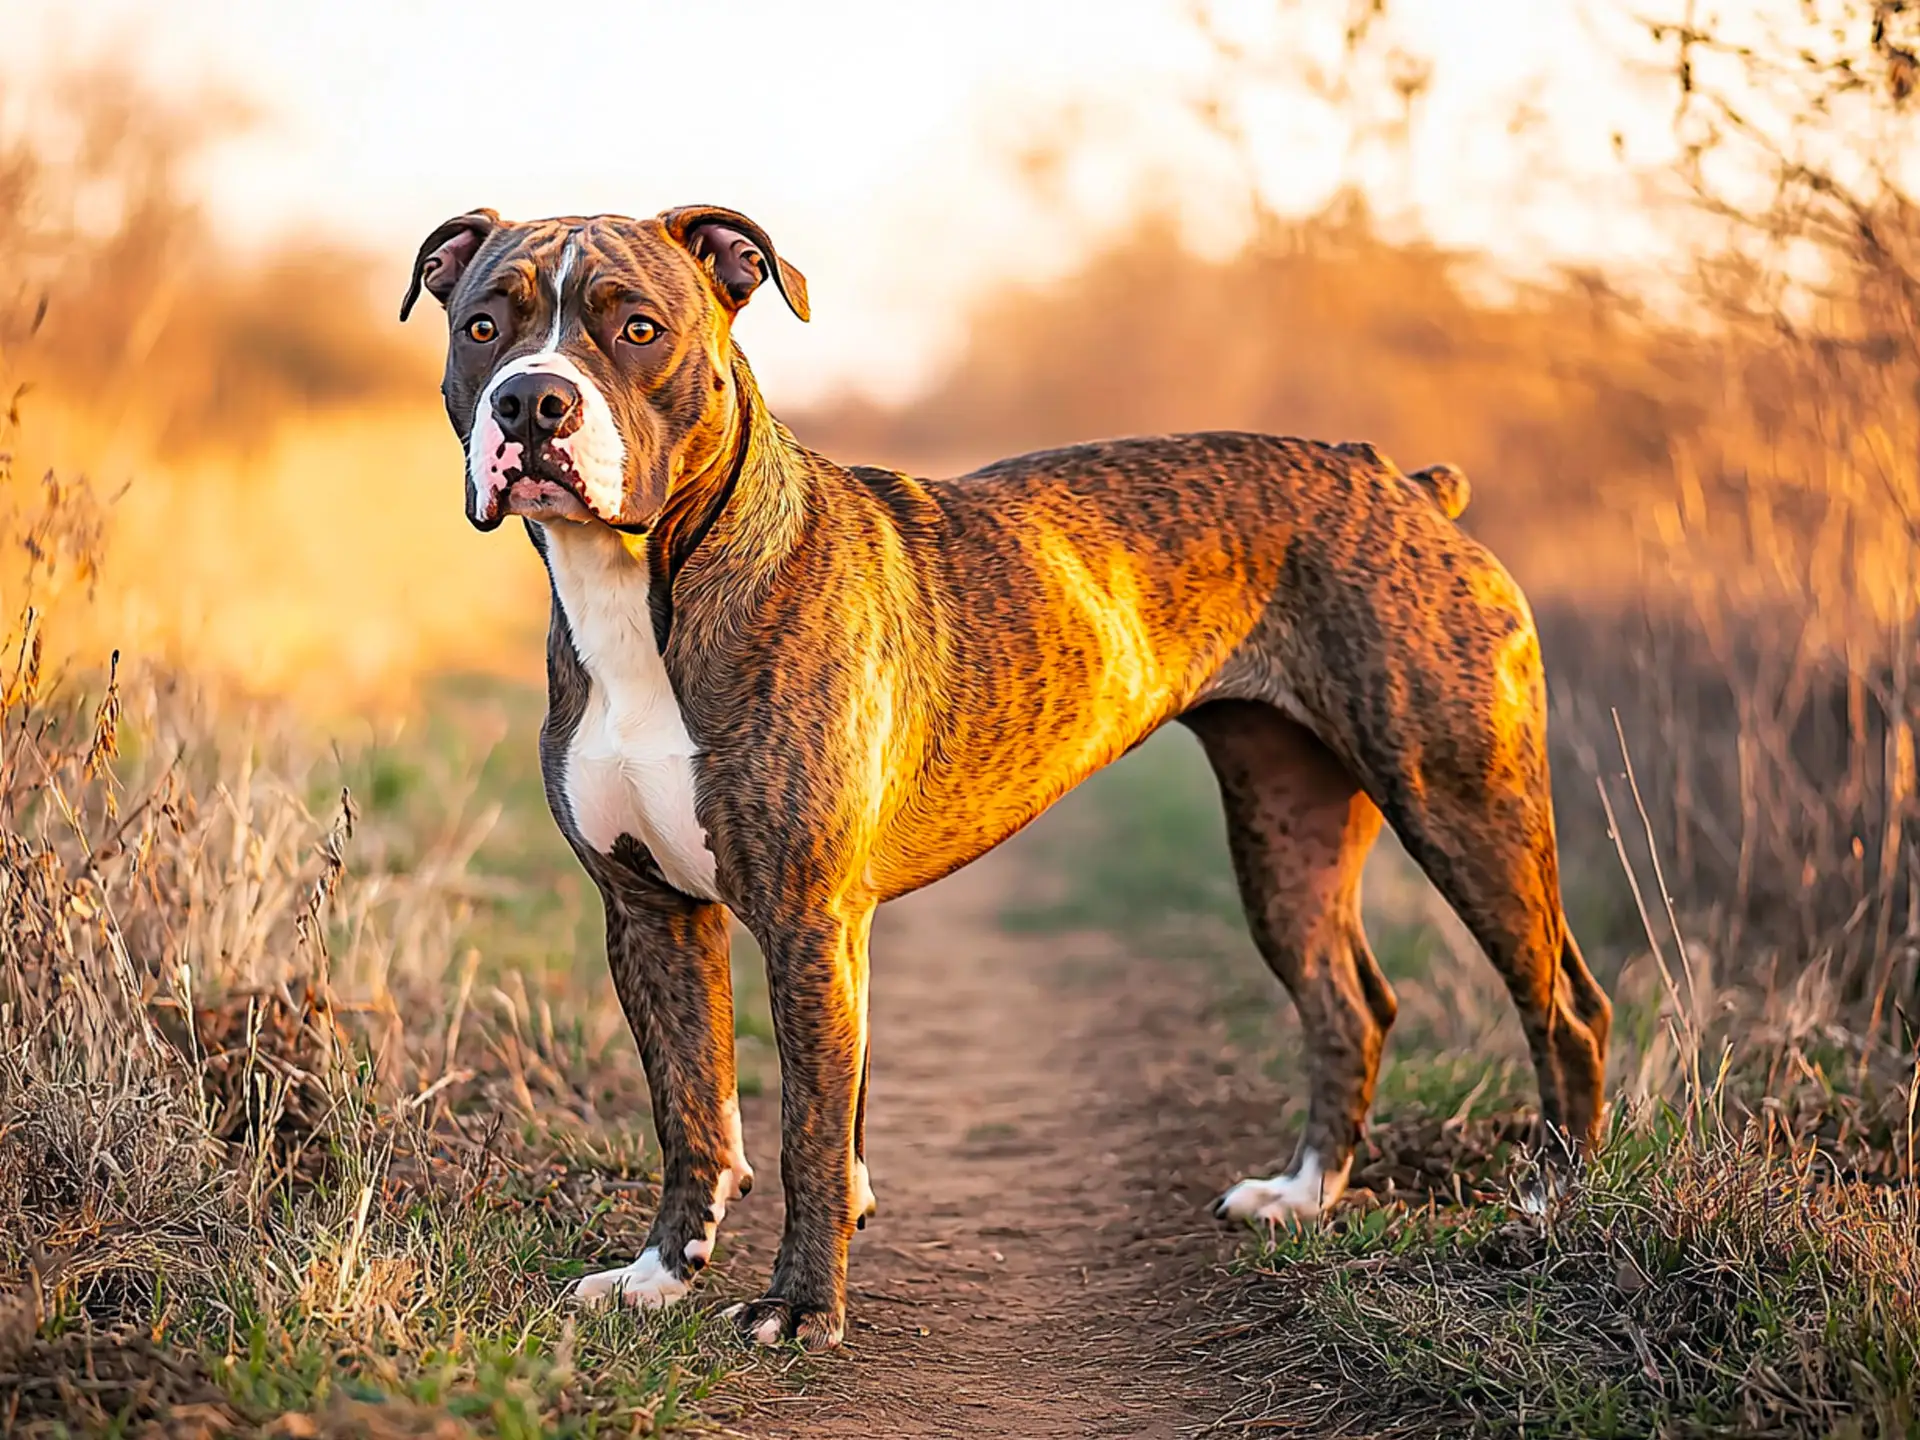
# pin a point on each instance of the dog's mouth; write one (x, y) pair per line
(546, 493)
(546, 488)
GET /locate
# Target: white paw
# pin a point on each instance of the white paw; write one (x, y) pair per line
(1305, 1194)
(646, 1284)
(864, 1205)
(734, 1180)
(767, 1332)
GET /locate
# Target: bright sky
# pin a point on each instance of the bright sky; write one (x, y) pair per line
(875, 139)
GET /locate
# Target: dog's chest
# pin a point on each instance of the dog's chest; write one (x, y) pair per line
(629, 764)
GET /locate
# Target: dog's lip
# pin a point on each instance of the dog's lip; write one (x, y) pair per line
(537, 488)
(541, 498)
(538, 468)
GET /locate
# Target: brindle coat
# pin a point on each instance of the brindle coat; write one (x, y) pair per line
(886, 677)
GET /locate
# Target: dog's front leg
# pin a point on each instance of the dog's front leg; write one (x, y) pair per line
(669, 957)
(817, 974)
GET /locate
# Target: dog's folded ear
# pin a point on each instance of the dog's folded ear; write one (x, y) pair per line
(445, 254)
(737, 254)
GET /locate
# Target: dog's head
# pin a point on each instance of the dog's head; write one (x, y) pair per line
(590, 361)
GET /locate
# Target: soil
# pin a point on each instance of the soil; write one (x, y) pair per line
(1049, 1118)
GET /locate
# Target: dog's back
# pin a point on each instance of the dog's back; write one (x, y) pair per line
(1068, 602)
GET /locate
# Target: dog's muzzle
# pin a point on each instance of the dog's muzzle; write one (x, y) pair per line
(544, 446)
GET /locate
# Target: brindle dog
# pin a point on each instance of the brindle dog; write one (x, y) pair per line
(792, 690)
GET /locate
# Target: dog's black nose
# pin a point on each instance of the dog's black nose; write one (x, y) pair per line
(536, 406)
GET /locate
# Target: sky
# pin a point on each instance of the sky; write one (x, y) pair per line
(880, 142)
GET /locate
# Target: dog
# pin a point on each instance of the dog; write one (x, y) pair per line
(790, 690)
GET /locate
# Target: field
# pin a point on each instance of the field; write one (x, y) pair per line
(347, 1197)
(314, 1094)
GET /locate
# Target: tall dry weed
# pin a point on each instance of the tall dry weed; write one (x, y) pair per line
(199, 1030)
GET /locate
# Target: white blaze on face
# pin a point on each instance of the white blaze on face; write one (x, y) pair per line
(1304, 1193)
(594, 451)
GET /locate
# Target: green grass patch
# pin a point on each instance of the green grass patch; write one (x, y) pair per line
(1744, 1259)
(1697, 1280)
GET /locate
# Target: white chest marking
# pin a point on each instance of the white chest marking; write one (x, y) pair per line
(629, 765)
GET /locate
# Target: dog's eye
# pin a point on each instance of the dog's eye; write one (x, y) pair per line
(640, 331)
(481, 329)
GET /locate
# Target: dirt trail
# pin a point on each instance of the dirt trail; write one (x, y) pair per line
(1049, 1117)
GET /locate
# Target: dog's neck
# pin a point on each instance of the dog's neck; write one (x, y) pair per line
(744, 511)
(723, 536)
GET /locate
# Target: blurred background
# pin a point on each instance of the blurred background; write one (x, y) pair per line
(1023, 223)
(1648, 277)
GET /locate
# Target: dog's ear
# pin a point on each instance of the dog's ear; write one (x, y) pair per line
(737, 254)
(445, 254)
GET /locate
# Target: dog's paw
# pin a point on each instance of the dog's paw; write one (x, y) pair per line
(647, 1284)
(1537, 1194)
(865, 1207)
(774, 1320)
(1305, 1194)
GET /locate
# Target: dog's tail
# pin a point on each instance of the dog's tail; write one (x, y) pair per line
(1446, 486)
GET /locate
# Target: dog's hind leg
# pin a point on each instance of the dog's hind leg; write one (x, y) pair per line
(1464, 781)
(1490, 852)
(669, 957)
(1299, 828)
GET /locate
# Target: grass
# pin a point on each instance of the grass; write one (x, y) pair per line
(318, 1173)
(1742, 1258)
(314, 1096)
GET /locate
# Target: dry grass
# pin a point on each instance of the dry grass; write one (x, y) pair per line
(1695, 1283)
(266, 1147)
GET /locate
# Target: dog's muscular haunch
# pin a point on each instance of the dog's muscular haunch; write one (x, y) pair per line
(794, 689)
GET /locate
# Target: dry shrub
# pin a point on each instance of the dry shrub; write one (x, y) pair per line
(247, 1102)
(277, 434)
(120, 289)
(1773, 686)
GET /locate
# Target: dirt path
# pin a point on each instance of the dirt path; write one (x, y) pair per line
(1049, 1117)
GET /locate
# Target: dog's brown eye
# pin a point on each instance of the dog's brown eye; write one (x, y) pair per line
(481, 329)
(640, 331)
